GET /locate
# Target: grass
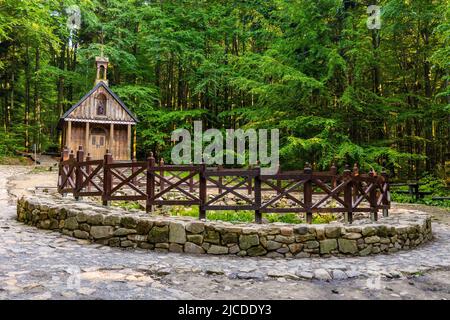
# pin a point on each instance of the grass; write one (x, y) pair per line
(241, 216)
(247, 216)
(12, 160)
(127, 205)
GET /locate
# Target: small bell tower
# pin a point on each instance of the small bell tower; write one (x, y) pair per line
(102, 69)
(102, 65)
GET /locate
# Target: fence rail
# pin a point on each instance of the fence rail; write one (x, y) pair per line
(216, 188)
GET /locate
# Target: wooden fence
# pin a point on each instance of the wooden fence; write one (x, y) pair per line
(216, 188)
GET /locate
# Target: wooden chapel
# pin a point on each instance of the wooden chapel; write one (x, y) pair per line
(100, 121)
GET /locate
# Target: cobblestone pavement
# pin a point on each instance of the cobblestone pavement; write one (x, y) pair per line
(39, 264)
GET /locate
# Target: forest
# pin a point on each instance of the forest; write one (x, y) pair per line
(337, 90)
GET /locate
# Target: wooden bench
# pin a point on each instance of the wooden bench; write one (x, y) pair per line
(440, 198)
(413, 190)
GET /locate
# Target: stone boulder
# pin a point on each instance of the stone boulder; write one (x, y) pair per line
(158, 234)
(101, 232)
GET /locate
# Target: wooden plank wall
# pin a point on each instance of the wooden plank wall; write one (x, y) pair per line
(88, 109)
(77, 136)
(119, 149)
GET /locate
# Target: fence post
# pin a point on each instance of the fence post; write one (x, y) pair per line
(373, 198)
(65, 154)
(249, 182)
(150, 183)
(64, 157)
(191, 180)
(78, 173)
(348, 196)
(89, 170)
(133, 170)
(307, 192)
(278, 180)
(355, 169)
(355, 173)
(219, 167)
(72, 163)
(258, 215)
(202, 194)
(107, 178)
(333, 171)
(161, 173)
(386, 196)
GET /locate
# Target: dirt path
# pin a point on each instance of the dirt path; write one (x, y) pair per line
(38, 264)
(441, 215)
(28, 180)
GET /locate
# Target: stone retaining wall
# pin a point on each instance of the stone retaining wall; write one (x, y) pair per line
(119, 228)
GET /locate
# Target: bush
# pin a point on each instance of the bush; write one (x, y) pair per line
(429, 183)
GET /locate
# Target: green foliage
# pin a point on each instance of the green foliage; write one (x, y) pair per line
(337, 91)
(433, 184)
(427, 200)
(228, 215)
(323, 218)
(127, 205)
(9, 142)
(6, 160)
(428, 183)
(248, 216)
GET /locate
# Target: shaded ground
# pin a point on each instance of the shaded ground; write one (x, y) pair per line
(441, 215)
(39, 264)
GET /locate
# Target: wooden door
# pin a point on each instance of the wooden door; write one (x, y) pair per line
(98, 145)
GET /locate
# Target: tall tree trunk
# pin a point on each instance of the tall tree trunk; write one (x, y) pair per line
(37, 102)
(60, 84)
(27, 97)
(376, 68)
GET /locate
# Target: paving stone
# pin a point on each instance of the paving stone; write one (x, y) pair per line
(322, 274)
(305, 275)
(339, 275)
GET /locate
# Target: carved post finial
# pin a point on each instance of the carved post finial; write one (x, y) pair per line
(307, 168)
(355, 169)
